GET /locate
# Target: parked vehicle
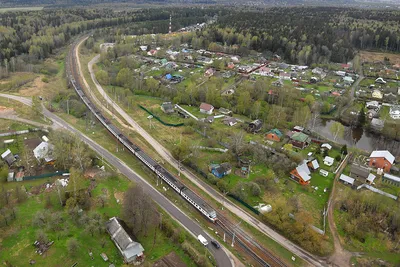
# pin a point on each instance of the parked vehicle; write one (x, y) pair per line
(202, 240)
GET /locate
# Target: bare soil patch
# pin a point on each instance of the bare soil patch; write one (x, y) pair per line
(171, 260)
(119, 196)
(379, 56)
(35, 89)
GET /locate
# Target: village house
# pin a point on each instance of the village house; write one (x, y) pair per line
(372, 105)
(274, 135)
(395, 112)
(348, 80)
(44, 152)
(209, 72)
(230, 121)
(381, 159)
(328, 161)
(301, 174)
(300, 140)
(220, 170)
(255, 126)
(359, 172)
(206, 108)
(131, 250)
(167, 107)
(377, 94)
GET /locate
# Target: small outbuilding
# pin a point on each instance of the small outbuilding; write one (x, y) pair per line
(255, 126)
(346, 179)
(167, 107)
(8, 157)
(274, 135)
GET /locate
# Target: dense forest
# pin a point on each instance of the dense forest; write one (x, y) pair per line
(304, 35)
(28, 37)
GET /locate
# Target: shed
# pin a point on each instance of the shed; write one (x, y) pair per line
(10, 177)
(346, 179)
(371, 177)
(167, 107)
(391, 179)
(230, 121)
(8, 157)
(327, 146)
(313, 164)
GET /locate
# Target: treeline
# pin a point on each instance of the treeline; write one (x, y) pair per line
(28, 37)
(303, 35)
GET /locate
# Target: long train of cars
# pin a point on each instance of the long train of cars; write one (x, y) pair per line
(175, 184)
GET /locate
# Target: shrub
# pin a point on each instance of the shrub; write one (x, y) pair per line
(45, 80)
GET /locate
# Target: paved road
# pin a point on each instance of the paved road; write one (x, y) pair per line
(222, 256)
(164, 153)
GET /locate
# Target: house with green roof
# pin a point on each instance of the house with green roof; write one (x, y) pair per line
(300, 140)
(274, 135)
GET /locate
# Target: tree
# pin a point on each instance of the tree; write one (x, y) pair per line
(72, 246)
(124, 77)
(20, 195)
(102, 77)
(361, 117)
(138, 210)
(343, 150)
(310, 100)
(337, 130)
(222, 186)
(42, 237)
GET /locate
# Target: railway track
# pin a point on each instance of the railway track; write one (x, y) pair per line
(259, 254)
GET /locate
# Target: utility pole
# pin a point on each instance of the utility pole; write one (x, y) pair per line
(68, 106)
(233, 238)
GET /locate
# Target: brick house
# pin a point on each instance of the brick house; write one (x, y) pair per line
(382, 159)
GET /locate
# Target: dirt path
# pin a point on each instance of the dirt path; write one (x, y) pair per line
(340, 257)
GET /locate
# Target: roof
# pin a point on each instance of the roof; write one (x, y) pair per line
(226, 166)
(168, 76)
(371, 177)
(207, 107)
(304, 172)
(329, 159)
(315, 164)
(44, 151)
(167, 106)
(346, 179)
(276, 131)
(6, 153)
(123, 240)
(300, 137)
(326, 145)
(383, 154)
(392, 177)
(359, 171)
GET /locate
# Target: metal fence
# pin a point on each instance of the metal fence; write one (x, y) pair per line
(45, 175)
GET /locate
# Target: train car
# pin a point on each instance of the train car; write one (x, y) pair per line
(199, 204)
(146, 160)
(169, 179)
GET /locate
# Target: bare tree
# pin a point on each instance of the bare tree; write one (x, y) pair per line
(138, 210)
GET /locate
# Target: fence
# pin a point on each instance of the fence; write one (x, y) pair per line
(244, 203)
(160, 120)
(19, 132)
(45, 175)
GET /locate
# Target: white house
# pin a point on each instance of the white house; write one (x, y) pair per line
(206, 108)
(395, 112)
(328, 161)
(44, 151)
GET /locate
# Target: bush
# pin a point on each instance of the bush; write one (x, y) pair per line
(255, 189)
(72, 246)
(45, 80)
(338, 158)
